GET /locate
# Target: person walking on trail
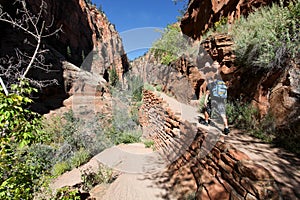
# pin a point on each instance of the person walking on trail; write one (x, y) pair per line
(215, 98)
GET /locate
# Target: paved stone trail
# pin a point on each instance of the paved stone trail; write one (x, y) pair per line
(284, 166)
(137, 163)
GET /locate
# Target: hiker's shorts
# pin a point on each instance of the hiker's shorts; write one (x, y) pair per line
(207, 109)
(219, 106)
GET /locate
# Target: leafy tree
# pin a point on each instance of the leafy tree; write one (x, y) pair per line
(19, 128)
(165, 48)
(171, 45)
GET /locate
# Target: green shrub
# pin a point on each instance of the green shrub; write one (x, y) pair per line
(42, 155)
(70, 129)
(149, 87)
(53, 127)
(113, 77)
(79, 133)
(190, 196)
(168, 57)
(149, 143)
(67, 193)
(135, 86)
(245, 116)
(134, 114)
(267, 37)
(79, 139)
(125, 110)
(19, 173)
(129, 137)
(90, 178)
(43, 190)
(139, 104)
(105, 174)
(288, 138)
(158, 88)
(219, 27)
(80, 157)
(16, 122)
(242, 115)
(60, 168)
(122, 133)
(266, 129)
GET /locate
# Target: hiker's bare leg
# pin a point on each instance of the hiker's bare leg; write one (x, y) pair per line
(206, 116)
(225, 121)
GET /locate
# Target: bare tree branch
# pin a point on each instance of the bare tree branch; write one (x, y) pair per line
(17, 67)
(15, 23)
(35, 53)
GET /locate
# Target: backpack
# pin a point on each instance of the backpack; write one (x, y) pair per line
(219, 89)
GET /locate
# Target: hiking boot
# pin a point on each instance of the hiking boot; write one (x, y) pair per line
(206, 123)
(226, 131)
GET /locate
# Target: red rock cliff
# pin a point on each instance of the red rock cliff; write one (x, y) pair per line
(84, 30)
(202, 14)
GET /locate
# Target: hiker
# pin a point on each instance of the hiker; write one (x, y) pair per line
(215, 97)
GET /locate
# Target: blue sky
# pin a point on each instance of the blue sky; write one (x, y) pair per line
(138, 20)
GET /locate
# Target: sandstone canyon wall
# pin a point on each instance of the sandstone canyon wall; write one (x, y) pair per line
(88, 40)
(171, 80)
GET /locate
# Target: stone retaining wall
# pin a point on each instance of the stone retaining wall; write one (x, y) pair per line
(220, 172)
(159, 122)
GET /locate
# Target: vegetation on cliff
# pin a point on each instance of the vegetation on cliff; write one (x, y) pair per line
(165, 48)
(171, 45)
(268, 36)
(265, 38)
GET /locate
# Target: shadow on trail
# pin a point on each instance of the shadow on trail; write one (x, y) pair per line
(216, 123)
(284, 166)
(177, 179)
